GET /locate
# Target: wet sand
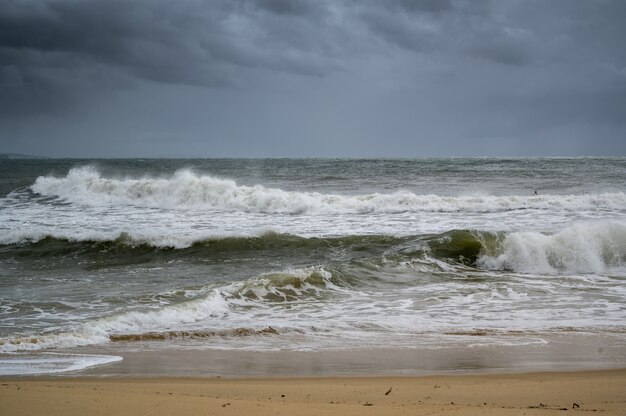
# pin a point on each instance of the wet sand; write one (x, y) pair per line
(597, 392)
(472, 355)
(570, 373)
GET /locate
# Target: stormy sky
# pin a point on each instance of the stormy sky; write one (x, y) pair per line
(313, 78)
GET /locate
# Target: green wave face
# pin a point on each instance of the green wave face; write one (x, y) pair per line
(289, 286)
(456, 247)
(462, 246)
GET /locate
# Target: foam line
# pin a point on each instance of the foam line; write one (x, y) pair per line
(186, 189)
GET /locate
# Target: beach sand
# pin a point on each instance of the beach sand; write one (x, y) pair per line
(599, 392)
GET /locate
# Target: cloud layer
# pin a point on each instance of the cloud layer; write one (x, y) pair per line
(313, 77)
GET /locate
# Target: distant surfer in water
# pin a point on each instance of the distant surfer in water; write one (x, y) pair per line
(535, 193)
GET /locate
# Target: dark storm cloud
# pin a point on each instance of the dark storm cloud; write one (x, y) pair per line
(420, 6)
(461, 27)
(347, 68)
(199, 43)
(165, 42)
(46, 45)
(301, 8)
(207, 43)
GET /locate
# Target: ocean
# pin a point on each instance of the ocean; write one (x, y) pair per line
(305, 255)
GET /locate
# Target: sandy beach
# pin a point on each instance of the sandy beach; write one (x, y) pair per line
(503, 394)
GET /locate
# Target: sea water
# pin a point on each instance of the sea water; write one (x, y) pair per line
(304, 254)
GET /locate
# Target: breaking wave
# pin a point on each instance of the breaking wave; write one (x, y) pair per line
(165, 322)
(287, 286)
(186, 189)
(589, 247)
(593, 247)
(100, 331)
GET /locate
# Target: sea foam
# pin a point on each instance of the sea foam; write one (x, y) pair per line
(186, 189)
(50, 363)
(591, 247)
(99, 331)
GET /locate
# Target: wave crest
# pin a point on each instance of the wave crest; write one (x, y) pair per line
(582, 248)
(212, 305)
(589, 247)
(287, 286)
(186, 189)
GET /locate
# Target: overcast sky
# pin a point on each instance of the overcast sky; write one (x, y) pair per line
(329, 78)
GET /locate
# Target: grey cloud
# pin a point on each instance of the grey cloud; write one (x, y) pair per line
(139, 34)
(400, 32)
(501, 45)
(302, 8)
(430, 6)
(445, 27)
(353, 69)
(136, 37)
(186, 42)
(199, 43)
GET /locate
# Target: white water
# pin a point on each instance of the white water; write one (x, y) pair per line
(559, 263)
(183, 208)
(50, 363)
(186, 189)
(596, 247)
(325, 315)
(98, 332)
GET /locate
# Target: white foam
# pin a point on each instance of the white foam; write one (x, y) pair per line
(98, 332)
(592, 247)
(186, 189)
(49, 363)
(184, 208)
(131, 238)
(290, 283)
(168, 317)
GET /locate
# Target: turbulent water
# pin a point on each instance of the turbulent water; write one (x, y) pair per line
(304, 254)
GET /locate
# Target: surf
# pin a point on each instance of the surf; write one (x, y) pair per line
(590, 247)
(586, 247)
(186, 189)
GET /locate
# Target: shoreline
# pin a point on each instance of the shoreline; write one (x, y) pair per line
(469, 375)
(459, 355)
(470, 394)
(466, 355)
